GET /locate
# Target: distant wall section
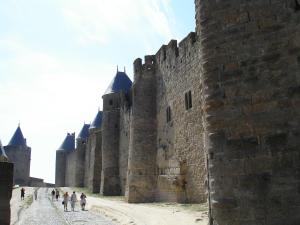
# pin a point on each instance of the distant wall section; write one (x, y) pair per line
(21, 157)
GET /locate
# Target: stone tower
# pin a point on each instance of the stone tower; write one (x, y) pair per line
(250, 56)
(142, 174)
(66, 147)
(20, 154)
(81, 147)
(110, 178)
(93, 155)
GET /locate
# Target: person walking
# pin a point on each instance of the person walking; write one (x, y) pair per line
(53, 194)
(22, 193)
(73, 200)
(35, 194)
(57, 194)
(82, 201)
(65, 201)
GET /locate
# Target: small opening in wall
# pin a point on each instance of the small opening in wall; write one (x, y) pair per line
(188, 100)
(110, 102)
(169, 115)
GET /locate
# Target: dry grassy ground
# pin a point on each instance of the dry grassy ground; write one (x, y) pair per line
(124, 213)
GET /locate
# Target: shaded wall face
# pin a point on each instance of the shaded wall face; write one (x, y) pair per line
(110, 180)
(141, 181)
(124, 146)
(251, 71)
(60, 168)
(80, 162)
(6, 185)
(93, 174)
(180, 156)
(71, 171)
(21, 157)
(87, 164)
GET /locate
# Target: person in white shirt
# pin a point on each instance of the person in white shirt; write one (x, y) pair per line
(73, 200)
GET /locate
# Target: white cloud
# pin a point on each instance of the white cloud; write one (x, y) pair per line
(50, 95)
(97, 20)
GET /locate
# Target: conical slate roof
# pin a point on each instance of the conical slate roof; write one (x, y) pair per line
(84, 133)
(97, 121)
(121, 82)
(17, 139)
(69, 143)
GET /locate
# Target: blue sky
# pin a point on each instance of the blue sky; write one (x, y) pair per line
(57, 57)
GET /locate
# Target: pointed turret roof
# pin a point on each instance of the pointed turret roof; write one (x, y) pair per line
(69, 143)
(18, 138)
(121, 82)
(84, 133)
(97, 121)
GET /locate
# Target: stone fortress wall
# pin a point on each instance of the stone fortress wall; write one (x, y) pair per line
(93, 161)
(21, 157)
(180, 156)
(215, 117)
(251, 71)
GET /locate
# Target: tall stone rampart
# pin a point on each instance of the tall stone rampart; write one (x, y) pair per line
(180, 157)
(60, 168)
(70, 177)
(6, 185)
(142, 174)
(110, 178)
(21, 157)
(93, 162)
(251, 64)
(80, 160)
(125, 116)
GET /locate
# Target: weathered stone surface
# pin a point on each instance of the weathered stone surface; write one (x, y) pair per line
(21, 157)
(110, 178)
(251, 77)
(142, 174)
(93, 160)
(6, 184)
(60, 168)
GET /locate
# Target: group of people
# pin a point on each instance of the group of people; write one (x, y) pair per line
(55, 193)
(72, 199)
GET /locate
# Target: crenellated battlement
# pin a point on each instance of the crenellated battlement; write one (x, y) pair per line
(139, 67)
(168, 56)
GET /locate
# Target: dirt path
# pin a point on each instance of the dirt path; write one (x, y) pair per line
(44, 211)
(147, 214)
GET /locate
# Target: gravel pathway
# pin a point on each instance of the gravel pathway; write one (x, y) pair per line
(45, 212)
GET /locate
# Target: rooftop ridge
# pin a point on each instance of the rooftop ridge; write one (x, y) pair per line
(68, 143)
(17, 138)
(120, 82)
(97, 122)
(84, 132)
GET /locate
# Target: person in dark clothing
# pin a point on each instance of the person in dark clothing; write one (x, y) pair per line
(53, 194)
(57, 194)
(22, 193)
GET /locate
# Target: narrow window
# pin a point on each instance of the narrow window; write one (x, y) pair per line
(169, 116)
(110, 102)
(188, 100)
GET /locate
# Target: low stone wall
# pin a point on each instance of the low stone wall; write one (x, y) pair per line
(6, 184)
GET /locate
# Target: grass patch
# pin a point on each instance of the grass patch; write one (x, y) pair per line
(28, 201)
